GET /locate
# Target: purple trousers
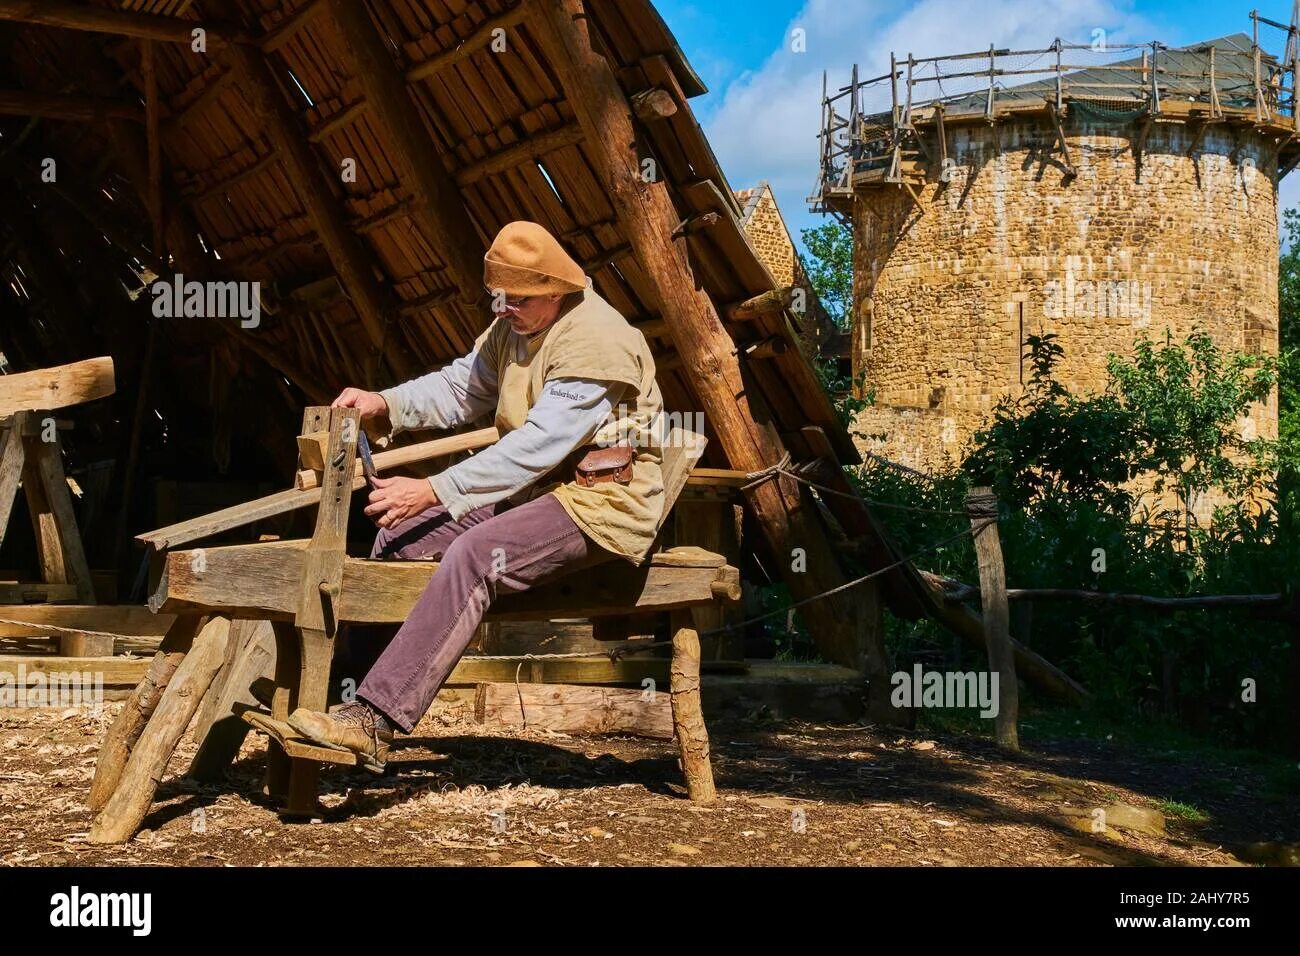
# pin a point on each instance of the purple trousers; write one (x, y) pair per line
(491, 550)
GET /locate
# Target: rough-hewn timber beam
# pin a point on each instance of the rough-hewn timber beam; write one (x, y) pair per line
(529, 149)
(766, 303)
(205, 98)
(596, 263)
(653, 105)
(767, 348)
(263, 580)
(646, 213)
(430, 301)
(479, 38)
(220, 187)
(49, 388)
(287, 29)
(441, 213)
(344, 117)
(77, 108)
(97, 19)
(382, 217)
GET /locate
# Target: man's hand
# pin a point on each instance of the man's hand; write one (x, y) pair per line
(370, 404)
(396, 499)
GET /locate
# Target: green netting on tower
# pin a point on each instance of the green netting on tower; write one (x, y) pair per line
(1101, 111)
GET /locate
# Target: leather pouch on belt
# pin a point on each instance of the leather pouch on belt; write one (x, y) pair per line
(605, 464)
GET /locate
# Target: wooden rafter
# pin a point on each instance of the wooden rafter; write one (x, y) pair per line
(210, 93)
(440, 211)
(61, 107)
(352, 261)
(531, 148)
(340, 120)
(288, 28)
(153, 143)
(480, 38)
(128, 23)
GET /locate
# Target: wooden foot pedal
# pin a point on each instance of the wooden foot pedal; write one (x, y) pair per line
(295, 744)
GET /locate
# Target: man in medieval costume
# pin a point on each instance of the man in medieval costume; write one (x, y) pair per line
(574, 479)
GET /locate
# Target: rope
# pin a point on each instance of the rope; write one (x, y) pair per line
(60, 630)
(850, 584)
(782, 468)
(983, 505)
(634, 647)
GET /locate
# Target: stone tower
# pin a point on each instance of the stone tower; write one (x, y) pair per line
(765, 228)
(1134, 194)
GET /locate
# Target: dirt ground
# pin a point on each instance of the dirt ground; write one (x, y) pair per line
(790, 793)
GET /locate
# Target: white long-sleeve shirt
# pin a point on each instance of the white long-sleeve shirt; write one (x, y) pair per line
(566, 416)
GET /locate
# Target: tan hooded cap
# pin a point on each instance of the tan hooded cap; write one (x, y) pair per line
(525, 259)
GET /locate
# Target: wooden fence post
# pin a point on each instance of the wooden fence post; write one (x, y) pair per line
(982, 507)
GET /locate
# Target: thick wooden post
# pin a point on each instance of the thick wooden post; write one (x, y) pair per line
(982, 507)
(322, 580)
(708, 356)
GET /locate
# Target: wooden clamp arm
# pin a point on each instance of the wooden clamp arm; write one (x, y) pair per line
(314, 457)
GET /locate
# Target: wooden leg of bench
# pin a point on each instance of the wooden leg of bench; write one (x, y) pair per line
(688, 715)
(125, 731)
(218, 728)
(316, 654)
(282, 705)
(127, 807)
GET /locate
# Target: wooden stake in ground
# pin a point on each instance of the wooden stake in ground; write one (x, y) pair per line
(688, 715)
(982, 507)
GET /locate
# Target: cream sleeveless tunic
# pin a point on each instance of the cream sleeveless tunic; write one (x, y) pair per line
(593, 341)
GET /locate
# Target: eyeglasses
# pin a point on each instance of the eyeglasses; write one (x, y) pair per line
(511, 302)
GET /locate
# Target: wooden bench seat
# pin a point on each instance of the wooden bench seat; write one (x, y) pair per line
(308, 589)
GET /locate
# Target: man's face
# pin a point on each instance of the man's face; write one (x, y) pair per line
(527, 314)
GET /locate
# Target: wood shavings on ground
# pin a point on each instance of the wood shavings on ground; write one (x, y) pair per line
(789, 794)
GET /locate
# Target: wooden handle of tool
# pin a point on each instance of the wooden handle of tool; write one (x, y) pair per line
(411, 454)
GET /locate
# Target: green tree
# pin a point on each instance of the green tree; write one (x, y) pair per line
(1188, 402)
(1288, 295)
(1170, 413)
(1048, 443)
(830, 269)
(1064, 468)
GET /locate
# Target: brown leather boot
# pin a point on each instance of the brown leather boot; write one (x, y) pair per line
(354, 727)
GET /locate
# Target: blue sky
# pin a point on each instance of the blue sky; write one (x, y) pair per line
(761, 111)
